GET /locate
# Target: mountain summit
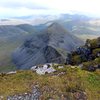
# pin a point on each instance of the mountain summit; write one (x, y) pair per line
(51, 45)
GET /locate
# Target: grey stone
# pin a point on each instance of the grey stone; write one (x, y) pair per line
(34, 95)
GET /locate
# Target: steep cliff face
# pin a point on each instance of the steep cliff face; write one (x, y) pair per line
(50, 45)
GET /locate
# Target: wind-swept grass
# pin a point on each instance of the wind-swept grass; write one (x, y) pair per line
(53, 85)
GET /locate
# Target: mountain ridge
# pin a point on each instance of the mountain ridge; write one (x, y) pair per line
(32, 52)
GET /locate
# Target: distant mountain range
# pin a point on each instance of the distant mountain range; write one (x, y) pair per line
(13, 32)
(79, 25)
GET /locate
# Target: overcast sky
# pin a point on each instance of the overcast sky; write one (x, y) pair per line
(16, 8)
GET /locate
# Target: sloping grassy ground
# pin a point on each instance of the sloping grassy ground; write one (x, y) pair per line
(6, 49)
(53, 85)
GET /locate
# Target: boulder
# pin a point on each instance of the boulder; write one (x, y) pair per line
(43, 69)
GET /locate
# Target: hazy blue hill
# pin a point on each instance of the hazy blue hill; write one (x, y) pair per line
(11, 37)
(80, 25)
(28, 28)
(40, 27)
(10, 31)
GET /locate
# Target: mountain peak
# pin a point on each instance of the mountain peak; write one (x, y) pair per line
(50, 45)
(55, 25)
(56, 28)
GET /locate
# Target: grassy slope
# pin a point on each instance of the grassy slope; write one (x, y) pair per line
(52, 85)
(6, 49)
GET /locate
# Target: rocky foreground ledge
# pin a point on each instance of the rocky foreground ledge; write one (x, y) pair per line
(50, 82)
(35, 94)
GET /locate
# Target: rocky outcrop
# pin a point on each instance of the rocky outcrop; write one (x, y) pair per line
(25, 59)
(43, 69)
(86, 56)
(34, 95)
(49, 46)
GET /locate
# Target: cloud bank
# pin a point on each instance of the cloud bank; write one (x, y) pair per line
(16, 8)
